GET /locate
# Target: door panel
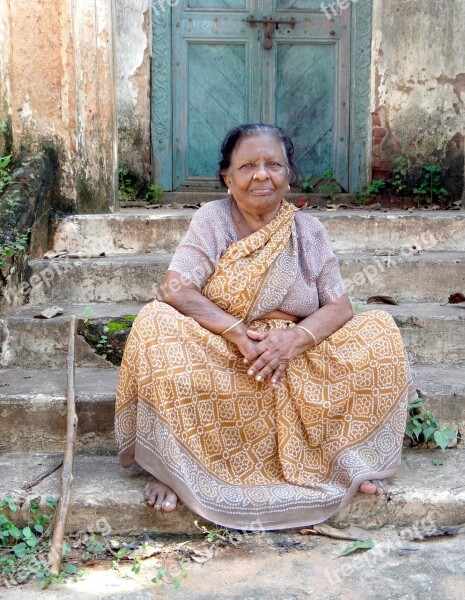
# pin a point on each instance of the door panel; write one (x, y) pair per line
(307, 5)
(303, 109)
(216, 87)
(223, 76)
(209, 4)
(216, 75)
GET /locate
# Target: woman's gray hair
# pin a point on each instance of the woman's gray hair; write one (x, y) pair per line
(253, 129)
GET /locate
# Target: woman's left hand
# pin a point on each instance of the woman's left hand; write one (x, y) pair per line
(272, 353)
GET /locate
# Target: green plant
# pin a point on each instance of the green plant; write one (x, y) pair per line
(23, 548)
(5, 177)
(307, 184)
(126, 322)
(103, 346)
(155, 194)
(422, 426)
(430, 188)
(163, 577)
(399, 174)
(367, 191)
(329, 186)
(87, 313)
(356, 306)
(126, 191)
(10, 247)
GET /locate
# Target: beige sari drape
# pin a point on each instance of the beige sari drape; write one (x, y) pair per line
(237, 451)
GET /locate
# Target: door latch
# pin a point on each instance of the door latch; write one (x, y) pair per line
(269, 25)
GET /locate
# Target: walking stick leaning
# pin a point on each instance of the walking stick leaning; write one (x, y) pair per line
(55, 553)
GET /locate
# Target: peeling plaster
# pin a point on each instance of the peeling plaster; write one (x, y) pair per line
(133, 49)
(419, 88)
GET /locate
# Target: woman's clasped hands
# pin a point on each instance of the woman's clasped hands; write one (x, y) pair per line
(269, 352)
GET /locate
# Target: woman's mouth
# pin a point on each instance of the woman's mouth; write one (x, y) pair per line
(262, 191)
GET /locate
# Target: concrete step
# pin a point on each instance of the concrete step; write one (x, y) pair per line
(33, 409)
(44, 342)
(107, 499)
(424, 277)
(161, 230)
(33, 405)
(433, 334)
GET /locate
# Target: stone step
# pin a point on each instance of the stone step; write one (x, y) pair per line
(424, 277)
(432, 333)
(33, 409)
(107, 499)
(44, 342)
(161, 230)
(33, 405)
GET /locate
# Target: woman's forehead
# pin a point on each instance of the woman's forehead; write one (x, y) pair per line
(257, 145)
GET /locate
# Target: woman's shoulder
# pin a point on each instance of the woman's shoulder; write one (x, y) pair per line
(219, 208)
(308, 223)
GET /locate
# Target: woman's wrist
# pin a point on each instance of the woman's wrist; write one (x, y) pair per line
(303, 338)
(235, 332)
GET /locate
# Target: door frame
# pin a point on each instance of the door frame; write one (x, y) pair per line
(360, 87)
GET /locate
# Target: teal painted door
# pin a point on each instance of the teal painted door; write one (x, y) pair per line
(230, 68)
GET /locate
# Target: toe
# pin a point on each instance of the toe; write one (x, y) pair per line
(169, 502)
(367, 487)
(380, 487)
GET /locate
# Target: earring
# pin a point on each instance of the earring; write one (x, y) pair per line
(288, 188)
(229, 192)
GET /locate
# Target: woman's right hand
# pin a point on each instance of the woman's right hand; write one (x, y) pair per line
(239, 337)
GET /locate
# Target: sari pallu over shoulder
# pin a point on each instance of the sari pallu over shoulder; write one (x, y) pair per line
(239, 452)
(255, 273)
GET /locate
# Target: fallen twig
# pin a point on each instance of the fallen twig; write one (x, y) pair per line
(55, 554)
(43, 475)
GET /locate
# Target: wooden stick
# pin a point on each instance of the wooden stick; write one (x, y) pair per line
(54, 556)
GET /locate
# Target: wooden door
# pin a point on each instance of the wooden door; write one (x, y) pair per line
(275, 61)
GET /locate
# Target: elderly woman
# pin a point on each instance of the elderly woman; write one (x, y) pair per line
(248, 389)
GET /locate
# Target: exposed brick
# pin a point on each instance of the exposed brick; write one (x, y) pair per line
(379, 132)
(377, 141)
(376, 121)
(376, 151)
(378, 163)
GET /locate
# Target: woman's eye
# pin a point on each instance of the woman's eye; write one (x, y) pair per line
(248, 166)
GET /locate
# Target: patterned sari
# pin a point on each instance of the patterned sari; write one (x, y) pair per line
(236, 451)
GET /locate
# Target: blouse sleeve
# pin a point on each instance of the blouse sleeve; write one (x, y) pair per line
(329, 281)
(197, 255)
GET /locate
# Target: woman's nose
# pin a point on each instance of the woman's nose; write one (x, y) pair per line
(261, 172)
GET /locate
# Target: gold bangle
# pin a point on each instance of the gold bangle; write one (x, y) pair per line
(232, 327)
(309, 332)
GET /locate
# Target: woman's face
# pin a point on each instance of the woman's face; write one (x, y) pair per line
(258, 176)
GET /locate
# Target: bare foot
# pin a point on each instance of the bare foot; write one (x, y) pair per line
(160, 496)
(126, 458)
(375, 486)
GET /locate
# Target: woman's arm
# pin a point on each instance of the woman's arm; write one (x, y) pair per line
(184, 296)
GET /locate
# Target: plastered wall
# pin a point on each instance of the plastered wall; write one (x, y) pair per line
(57, 89)
(133, 37)
(418, 85)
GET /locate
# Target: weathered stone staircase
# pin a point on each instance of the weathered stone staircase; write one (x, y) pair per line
(418, 258)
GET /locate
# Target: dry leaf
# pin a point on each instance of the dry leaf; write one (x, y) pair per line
(308, 532)
(386, 253)
(53, 254)
(146, 551)
(201, 556)
(382, 300)
(456, 298)
(48, 313)
(84, 254)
